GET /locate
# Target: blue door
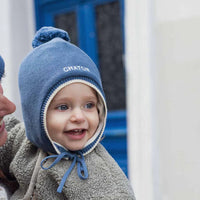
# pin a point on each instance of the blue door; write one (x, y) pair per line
(96, 26)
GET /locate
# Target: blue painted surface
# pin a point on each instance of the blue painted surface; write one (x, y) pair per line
(87, 31)
(115, 140)
(116, 146)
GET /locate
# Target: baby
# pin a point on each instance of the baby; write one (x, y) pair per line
(57, 155)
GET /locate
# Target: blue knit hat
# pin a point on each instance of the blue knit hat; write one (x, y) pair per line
(1, 67)
(51, 65)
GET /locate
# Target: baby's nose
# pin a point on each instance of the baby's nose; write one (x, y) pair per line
(77, 115)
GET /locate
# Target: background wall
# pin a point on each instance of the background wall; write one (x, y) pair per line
(177, 86)
(17, 29)
(163, 66)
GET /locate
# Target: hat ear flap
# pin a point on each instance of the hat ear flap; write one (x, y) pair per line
(100, 108)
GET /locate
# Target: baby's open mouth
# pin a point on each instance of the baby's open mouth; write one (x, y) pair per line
(75, 131)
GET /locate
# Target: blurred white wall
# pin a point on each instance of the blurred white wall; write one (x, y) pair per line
(139, 18)
(177, 34)
(17, 29)
(173, 98)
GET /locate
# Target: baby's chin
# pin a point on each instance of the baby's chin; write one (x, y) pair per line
(75, 148)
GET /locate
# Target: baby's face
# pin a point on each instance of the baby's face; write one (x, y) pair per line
(72, 116)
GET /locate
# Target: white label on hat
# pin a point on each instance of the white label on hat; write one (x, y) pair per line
(74, 68)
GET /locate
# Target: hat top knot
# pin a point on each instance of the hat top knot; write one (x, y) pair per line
(46, 34)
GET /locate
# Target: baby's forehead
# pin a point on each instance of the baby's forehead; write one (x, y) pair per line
(76, 90)
(79, 86)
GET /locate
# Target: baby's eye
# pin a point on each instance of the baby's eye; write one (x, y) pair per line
(90, 105)
(62, 107)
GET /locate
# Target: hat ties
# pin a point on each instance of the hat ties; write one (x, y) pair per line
(76, 158)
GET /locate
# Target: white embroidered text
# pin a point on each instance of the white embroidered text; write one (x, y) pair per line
(73, 68)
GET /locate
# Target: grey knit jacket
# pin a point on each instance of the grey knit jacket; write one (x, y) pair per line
(20, 159)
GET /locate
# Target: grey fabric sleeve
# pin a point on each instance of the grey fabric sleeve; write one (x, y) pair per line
(9, 149)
